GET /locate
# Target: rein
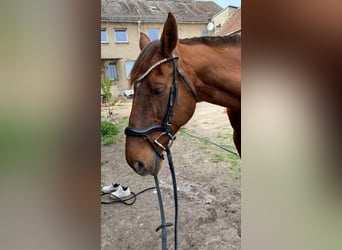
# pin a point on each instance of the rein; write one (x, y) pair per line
(165, 129)
(161, 207)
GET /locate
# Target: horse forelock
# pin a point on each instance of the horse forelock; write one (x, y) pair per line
(144, 61)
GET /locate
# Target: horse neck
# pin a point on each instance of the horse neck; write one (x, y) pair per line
(215, 72)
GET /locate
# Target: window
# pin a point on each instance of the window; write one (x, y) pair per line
(121, 36)
(104, 37)
(153, 34)
(111, 71)
(204, 32)
(129, 66)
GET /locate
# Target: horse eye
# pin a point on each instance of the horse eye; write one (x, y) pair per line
(158, 91)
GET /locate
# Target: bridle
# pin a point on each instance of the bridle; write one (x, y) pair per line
(165, 128)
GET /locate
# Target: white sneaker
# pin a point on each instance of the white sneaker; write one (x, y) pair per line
(110, 188)
(120, 193)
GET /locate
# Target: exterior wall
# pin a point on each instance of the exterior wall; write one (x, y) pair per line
(123, 52)
(221, 17)
(190, 30)
(119, 53)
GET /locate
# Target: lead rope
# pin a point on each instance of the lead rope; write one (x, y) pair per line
(162, 214)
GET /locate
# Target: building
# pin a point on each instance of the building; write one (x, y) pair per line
(221, 17)
(228, 21)
(123, 20)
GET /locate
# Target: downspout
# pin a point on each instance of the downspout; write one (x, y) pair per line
(139, 27)
(139, 22)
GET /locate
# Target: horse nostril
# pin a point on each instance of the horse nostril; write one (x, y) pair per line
(139, 166)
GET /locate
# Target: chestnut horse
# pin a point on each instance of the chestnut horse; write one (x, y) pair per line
(169, 77)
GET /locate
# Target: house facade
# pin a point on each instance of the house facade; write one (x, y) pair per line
(123, 20)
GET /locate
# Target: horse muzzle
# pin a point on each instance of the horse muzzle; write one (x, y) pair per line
(143, 170)
(141, 158)
(148, 160)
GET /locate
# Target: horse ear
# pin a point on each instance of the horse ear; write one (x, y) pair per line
(144, 40)
(169, 37)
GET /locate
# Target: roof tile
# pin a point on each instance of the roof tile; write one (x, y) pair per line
(186, 11)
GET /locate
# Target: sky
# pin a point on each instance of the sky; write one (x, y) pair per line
(225, 3)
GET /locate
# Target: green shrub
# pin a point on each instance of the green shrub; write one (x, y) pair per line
(108, 129)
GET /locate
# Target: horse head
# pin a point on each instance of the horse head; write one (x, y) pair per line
(160, 107)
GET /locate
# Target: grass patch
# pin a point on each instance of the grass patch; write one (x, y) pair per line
(182, 132)
(218, 157)
(225, 136)
(234, 168)
(210, 153)
(108, 140)
(113, 133)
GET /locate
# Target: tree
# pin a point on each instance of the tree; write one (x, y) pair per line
(106, 90)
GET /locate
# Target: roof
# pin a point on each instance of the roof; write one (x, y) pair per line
(186, 11)
(232, 25)
(228, 7)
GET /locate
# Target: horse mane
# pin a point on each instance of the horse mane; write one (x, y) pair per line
(212, 41)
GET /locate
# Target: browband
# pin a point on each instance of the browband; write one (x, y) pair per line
(155, 65)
